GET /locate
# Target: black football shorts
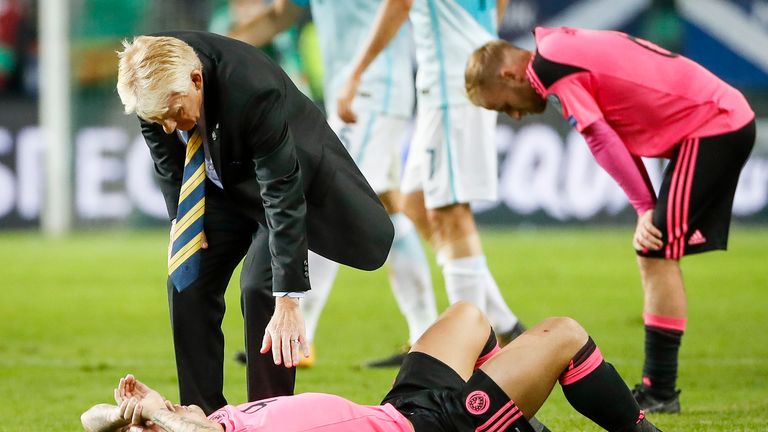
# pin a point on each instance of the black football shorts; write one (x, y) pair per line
(695, 202)
(436, 399)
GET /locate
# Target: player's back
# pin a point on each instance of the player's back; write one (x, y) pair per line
(342, 28)
(653, 98)
(446, 32)
(316, 412)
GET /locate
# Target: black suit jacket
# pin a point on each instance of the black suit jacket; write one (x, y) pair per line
(278, 159)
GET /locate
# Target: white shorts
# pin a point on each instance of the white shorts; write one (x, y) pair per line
(453, 156)
(375, 144)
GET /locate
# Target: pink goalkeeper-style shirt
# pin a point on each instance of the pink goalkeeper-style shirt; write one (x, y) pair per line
(316, 412)
(621, 91)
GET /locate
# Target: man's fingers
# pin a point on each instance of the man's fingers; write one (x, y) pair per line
(204, 244)
(136, 418)
(286, 351)
(129, 407)
(121, 408)
(266, 343)
(295, 349)
(121, 388)
(277, 346)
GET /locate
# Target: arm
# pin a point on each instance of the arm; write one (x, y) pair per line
(281, 189)
(171, 422)
(102, 418)
(501, 7)
(628, 170)
(272, 20)
(630, 173)
(168, 156)
(391, 16)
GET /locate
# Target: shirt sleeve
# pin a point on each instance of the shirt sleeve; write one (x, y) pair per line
(281, 188)
(300, 3)
(168, 157)
(628, 171)
(223, 417)
(576, 95)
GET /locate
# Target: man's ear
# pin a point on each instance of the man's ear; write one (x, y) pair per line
(506, 72)
(197, 78)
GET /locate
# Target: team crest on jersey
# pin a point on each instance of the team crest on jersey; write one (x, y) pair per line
(478, 402)
(555, 102)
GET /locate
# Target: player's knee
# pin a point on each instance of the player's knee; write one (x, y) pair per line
(567, 332)
(470, 315)
(452, 222)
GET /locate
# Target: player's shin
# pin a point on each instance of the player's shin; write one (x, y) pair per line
(595, 389)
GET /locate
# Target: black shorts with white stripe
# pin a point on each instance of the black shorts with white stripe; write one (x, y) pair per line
(436, 399)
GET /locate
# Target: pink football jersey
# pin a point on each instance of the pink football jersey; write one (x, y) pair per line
(316, 412)
(654, 99)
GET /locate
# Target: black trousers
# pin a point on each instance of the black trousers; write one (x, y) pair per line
(198, 311)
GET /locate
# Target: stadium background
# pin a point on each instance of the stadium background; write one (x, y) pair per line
(72, 304)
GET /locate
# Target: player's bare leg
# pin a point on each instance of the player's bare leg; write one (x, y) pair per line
(663, 287)
(413, 207)
(457, 338)
(540, 355)
(664, 315)
(526, 370)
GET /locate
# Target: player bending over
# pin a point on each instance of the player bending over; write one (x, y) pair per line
(629, 99)
(454, 379)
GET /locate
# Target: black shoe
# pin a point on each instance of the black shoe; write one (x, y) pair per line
(643, 426)
(510, 335)
(647, 426)
(395, 360)
(241, 358)
(651, 403)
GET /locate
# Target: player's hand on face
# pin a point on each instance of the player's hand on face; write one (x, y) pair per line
(130, 411)
(148, 399)
(647, 236)
(285, 334)
(345, 98)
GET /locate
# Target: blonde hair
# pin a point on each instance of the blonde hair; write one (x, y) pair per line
(483, 67)
(152, 69)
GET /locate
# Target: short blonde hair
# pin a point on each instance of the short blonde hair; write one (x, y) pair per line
(152, 69)
(483, 67)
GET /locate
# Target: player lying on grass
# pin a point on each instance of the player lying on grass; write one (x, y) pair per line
(454, 379)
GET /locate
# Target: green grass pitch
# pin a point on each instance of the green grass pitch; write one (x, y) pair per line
(78, 313)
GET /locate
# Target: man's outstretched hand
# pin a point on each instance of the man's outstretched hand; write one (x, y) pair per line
(285, 334)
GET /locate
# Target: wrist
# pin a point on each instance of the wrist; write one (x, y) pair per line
(286, 302)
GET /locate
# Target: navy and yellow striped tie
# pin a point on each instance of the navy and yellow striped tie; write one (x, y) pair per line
(184, 265)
